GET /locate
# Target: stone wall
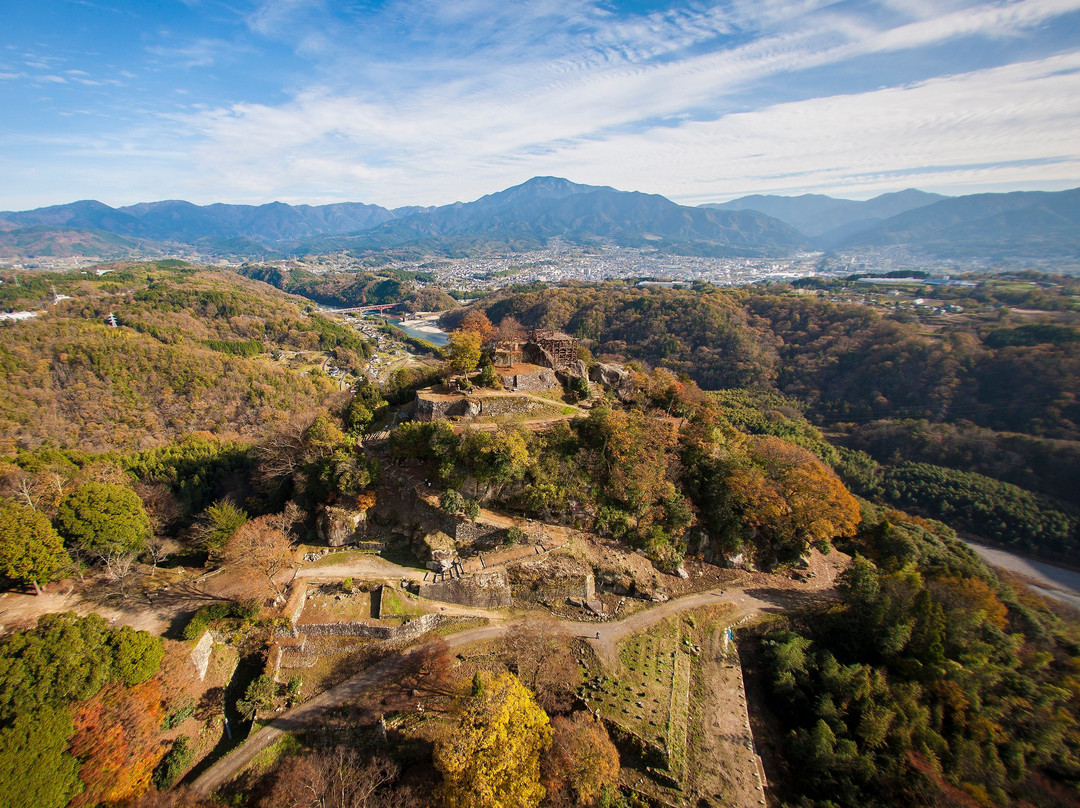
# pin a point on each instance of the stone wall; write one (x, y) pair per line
(460, 530)
(470, 533)
(498, 406)
(484, 590)
(428, 409)
(543, 584)
(532, 381)
(408, 631)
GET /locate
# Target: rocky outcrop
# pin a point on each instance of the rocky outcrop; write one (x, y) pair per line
(576, 369)
(437, 550)
(200, 654)
(615, 377)
(608, 375)
(340, 526)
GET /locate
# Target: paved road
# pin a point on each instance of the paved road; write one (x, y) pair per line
(1046, 579)
(745, 602)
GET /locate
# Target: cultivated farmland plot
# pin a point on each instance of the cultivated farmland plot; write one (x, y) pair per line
(676, 697)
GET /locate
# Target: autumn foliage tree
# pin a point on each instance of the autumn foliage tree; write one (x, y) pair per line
(582, 762)
(464, 350)
(772, 498)
(490, 755)
(260, 546)
(60, 668)
(116, 741)
(477, 322)
(792, 497)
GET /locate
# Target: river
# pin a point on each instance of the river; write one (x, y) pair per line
(424, 329)
(1046, 579)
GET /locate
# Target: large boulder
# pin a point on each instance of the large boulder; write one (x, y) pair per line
(615, 377)
(437, 550)
(340, 526)
(576, 368)
(609, 375)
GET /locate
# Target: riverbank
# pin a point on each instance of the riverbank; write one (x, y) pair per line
(424, 328)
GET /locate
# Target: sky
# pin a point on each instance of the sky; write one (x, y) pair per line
(403, 102)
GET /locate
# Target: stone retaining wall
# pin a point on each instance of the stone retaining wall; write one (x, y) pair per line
(531, 381)
(552, 588)
(468, 533)
(482, 406)
(492, 406)
(428, 409)
(408, 631)
(484, 590)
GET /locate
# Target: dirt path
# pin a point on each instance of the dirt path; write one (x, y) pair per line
(723, 760)
(359, 566)
(745, 601)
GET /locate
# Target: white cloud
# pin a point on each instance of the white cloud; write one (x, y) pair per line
(946, 132)
(430, 101)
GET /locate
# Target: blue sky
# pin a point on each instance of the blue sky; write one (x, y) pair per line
(432, 101)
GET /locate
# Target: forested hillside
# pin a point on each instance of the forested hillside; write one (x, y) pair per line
(348, 289)
(986, 391)
(191, 352)
(848, 362)
(931, 683)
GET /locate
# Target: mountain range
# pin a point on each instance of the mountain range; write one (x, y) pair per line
(1022, 224)
(829, 219)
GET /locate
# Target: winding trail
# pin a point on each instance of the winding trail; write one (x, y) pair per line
(747, 602)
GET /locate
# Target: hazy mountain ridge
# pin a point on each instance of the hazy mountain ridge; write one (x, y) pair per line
(179, 221)
(818, 215)
(63, 242)
(525, 216)
(1023, 223)
(548, 207)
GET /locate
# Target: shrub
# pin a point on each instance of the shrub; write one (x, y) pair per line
(451, 502)
(174, 764)
(213, 612)
(178, 716)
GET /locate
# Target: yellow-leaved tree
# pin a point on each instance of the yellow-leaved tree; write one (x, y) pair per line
(490, 757)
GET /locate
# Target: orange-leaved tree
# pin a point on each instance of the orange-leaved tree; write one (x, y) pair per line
(116, 740)
(262, 547)
(478, 323)
(582, 763)
(789, 499)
